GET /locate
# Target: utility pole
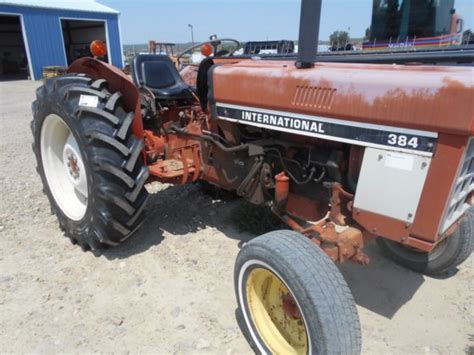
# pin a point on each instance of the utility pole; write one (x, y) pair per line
(192, 33)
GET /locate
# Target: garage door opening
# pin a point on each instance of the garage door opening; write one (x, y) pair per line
(13, 57)
(78, 35)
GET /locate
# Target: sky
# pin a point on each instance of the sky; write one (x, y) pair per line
(167, 20)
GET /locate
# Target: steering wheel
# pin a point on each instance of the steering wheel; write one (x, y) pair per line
(215, 43)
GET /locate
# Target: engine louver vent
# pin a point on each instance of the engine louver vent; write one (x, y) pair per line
(463, 186)
(314, 96)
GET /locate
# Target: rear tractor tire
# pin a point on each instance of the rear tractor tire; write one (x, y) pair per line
(293, 299)
(446, 256)
(89, 161)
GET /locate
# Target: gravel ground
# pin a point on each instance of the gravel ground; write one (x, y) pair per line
(170, 289)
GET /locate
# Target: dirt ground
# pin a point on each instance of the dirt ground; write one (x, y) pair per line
(170, 289)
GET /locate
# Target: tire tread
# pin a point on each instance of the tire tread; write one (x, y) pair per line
(113, 153)
(321, 279)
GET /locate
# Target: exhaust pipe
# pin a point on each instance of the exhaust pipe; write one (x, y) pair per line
(309, 33)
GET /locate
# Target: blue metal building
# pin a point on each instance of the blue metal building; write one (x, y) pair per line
(53, 33)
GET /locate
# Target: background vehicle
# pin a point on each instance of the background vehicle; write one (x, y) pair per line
(269, 47)
(414, 24)
(342, 153)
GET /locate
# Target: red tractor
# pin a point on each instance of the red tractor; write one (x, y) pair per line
(342, 148)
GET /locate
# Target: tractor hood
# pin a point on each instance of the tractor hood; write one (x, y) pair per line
(434, 99)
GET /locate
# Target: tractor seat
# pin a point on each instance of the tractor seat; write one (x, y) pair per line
(159, 74)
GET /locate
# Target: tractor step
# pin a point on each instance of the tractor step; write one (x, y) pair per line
(171, 169)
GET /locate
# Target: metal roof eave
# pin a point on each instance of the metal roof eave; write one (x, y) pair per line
(79, 6)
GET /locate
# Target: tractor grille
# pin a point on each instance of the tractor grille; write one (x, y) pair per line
(463, 186)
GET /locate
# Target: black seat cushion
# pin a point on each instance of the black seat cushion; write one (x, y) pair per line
(159, 74)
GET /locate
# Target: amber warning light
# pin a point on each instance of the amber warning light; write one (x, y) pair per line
(206, 50)
(98, 48)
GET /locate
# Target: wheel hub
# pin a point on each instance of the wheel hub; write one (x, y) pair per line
(74, 165)
(290, 308)
(74, 169)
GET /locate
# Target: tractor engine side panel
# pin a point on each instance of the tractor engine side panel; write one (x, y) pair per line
(382, 168)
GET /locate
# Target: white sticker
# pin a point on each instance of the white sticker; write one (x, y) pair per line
(88, 101)
(399, 161)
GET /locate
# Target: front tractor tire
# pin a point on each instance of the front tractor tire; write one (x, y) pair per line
(446, 256)
(89, 161)
(293, 299)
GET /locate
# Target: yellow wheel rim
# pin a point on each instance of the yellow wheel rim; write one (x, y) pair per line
(275, 313)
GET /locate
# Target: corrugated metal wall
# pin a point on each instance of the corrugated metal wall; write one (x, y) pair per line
(44, 34)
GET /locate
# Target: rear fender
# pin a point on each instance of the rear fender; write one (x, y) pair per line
(117, 81)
